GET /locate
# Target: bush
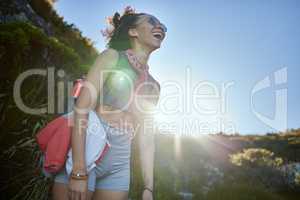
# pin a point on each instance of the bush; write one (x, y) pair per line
(22, 47)
(256, 157)
(257, 165)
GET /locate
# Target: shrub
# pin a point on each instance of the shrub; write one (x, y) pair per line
(259, 166)
(256, 157)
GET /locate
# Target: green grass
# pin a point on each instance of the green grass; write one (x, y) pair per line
(240, 192)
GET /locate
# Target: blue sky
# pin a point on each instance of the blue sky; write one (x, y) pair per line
(235, 41)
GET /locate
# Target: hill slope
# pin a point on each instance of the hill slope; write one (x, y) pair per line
(34, 36)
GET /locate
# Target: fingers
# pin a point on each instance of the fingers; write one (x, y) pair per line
(77, 195)
(72, 195)
(69, 194)
(83, 196)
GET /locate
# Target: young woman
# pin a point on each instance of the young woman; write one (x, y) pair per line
(121, 108)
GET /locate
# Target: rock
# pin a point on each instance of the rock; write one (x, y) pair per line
(20, 10)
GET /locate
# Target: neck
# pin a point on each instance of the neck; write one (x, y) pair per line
(142, 54)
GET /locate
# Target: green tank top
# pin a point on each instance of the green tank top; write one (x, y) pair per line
(118, 87)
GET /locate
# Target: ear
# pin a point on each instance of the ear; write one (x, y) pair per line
(132, 32)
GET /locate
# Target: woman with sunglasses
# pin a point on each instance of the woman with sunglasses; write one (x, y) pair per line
(123, 94)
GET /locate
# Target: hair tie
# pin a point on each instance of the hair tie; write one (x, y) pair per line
(115, 21)
(128, 10)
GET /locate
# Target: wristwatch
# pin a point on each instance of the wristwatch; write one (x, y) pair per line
(79, 176)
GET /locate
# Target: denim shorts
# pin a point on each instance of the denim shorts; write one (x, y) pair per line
(113, 171)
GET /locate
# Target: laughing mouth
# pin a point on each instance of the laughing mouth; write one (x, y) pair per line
(158, 35)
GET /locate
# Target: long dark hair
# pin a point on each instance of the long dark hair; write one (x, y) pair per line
(120, 38)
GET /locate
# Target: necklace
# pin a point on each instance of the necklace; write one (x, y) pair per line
(143, 76)
(142, 70)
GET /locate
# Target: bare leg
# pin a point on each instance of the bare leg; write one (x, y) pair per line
(101, 194)
(60, 192)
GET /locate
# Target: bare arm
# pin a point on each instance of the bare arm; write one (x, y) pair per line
(87, 101)
(146, 140)
(146, 148)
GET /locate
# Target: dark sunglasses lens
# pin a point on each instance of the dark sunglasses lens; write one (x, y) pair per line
(164, 27)
(154, 22)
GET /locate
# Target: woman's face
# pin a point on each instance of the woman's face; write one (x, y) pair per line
(149, 31)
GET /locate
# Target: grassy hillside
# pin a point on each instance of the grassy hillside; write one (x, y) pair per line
(203, 166)
(33, 36)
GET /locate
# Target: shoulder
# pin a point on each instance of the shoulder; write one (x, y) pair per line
(107, 58)
(109, 53)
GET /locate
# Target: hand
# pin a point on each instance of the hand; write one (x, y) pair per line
(78, 189)
(147, 195)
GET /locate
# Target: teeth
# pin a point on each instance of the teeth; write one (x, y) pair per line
(158, 35)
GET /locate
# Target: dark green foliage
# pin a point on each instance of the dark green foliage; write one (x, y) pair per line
(66, 33)
(240, 191)
(258, 165)
(23, 47)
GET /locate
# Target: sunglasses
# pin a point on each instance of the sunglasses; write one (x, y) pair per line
(155, 22)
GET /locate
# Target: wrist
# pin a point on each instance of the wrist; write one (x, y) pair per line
(79, 175)
(148, 189)
(79, 171)
(79, 168)
(148, 184)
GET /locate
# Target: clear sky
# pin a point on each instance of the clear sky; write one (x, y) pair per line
(235, 42)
